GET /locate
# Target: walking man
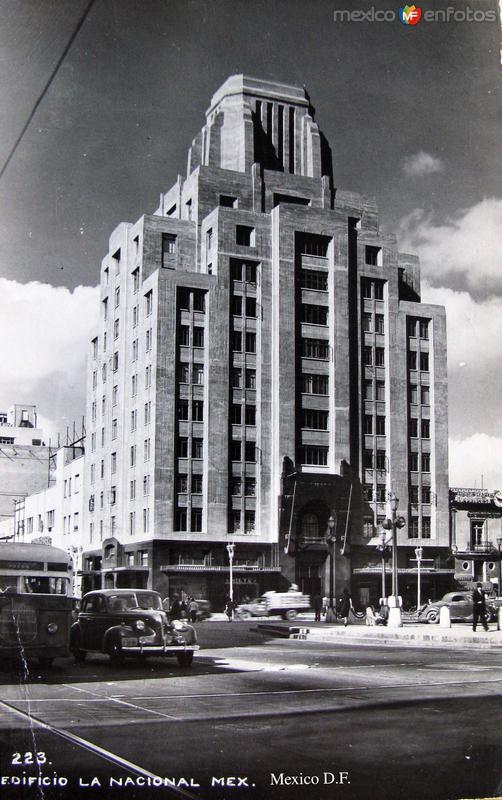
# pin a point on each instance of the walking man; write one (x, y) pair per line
(479, 607)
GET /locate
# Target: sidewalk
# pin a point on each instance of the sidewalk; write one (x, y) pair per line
(459, 636)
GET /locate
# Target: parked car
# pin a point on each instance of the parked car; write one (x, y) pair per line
(130, 622)
(460, 605)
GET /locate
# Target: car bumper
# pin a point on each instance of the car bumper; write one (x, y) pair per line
(159, 649)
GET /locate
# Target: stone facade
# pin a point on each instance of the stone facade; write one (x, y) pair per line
(263, 364)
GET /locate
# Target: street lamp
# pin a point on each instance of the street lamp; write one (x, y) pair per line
(230, 551)
(392, 524)
(331, 541)
(418, 552)
(499, 548)
(382, 547)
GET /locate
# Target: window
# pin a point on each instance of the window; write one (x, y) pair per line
(381, 460)
(116, 261)
(168, 245)
(93, 442)
(182, 409)
(197, 410)
(183, 373)
(413, 393)
(94, 379)
(250, 307)
(237, 306)
(135, 280)
(378, 290)
(148, 340)
(188, 208)
(424, 362)
(183, 298)
(250, 487)
(196, 520)
(103, 405)
(244, 236)
(236, 378)
(412, 360)
(413, 528)
(235, 450)
(237, 341)
(113, 460)
(380, 390)
(182, 483)
(426, 462)
(199, 301)
(198, 374)
(366, 289)
(115, 364)
(250, 379)
(313, 245)
(314, 384)
(314, 419)
(379, 323)
(426, 494)
(148, 412)
(196, 484)
(368, 390)
(425, 395)
(367, 323)
(132, 525)
(198, 337)
(116, 326)
(250, 415)
(426, 528)
(104, 342)
(249, 521)
(106, 276)
(75, 521)
(149, 302)
(425, 429)
(379, 357)
(117, 297)
(477, 532)
(146, 485)
(114, 428)
(181, 519)
(235, 414)
(184, 337)
(368, 424)
(414, 495)
(250, 452)
(148, 376)
(250, 342)
(113, 495)
(380, 425)
(146, 449)
(209, 239)
(146, 520)
(197, 448)
(250, 273)
(92, 473)
(132, 459)
(411, 327)
(413, 428)
(134, 420)
(235, 521)
(315, 456)
(368, 459)
(423, 326)
(134, 385)
(367, 356)
(315, 348)
(373, 257)
(314, 315)
(314, 279)
(414, 462)
(381, 493)
(103, 373)
(115, 392)
(227, 201)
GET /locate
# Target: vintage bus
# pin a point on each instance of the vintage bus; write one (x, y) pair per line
(35, 602)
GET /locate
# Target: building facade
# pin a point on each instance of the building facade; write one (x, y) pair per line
(263, 372)
(476, 536)
(24, 458)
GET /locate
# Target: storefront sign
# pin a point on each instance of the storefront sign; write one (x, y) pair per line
(482, 497)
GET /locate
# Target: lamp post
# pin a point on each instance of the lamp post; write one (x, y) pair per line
(331, 541)
(230, 551)
(418, 552)
(382, 547)
(499, 548)
(392, 524)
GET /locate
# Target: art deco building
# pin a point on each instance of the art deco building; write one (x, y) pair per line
(263, 365)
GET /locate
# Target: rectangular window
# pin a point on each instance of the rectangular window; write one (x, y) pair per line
(314, 384)
(368, 424)
(414, 495)
(146, 520)
(236, 487)
(146, 449)
(368, 459)
(182, 483)
(135, 316)
(425, 429)
(244, 236)
(425, 395)
(117, 297)
(182, 409)
(132, 459)
(94, 379)
(199, 300)
(314, 456)
(184, 335)
(251, 307)
(182, 447)
(113, 463)
(236, 378)
(380, 390)
(372, 255)
(135, 280)
(380, 425)
(250, 273)
(149, 302)
(314, 245)
(426, 494)
(116, 326)
(235, 521)
(235, 414)
(115, 392)
(315, 348)
(426, 462)
(314, 315)
(102, 473)
(168, 245)
(249, 521)
(235, 450)
(197, 410)
(105, 309)
(227, 201)
(113, 495)
(250, 379)
(426, 528)
(250, 415)
(148, 340)
(198, 374)
(237, 341)
(367, 356)
(413, 427)
(412, 360)
(367, 323)
(196, 520)
(250, 452)
(183, 373)
(411, 327)
(237, 306)
(198, 337)
(424, 362)
(132, 490)
(132, 523)
(413, 389)
(314, 419)
(250, 342)
(134, 385)
(381, 460)
(423, 325)
(197, 448)
(148, 376)
(115, 361)
(381, 493)
(379, 323)
(368, 390)
(181, 519)
(196, 484)
(146, 485)
(114, 428)
(314, 279)
(366, 288)
(148, 412)
(379, 357)
(209, 239)
(378, 290)
(413, 528)
(414, 462)
(134, 420)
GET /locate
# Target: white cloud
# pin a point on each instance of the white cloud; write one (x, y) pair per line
(476, 456)
(420, 164)
(466, 250)
(45, 332)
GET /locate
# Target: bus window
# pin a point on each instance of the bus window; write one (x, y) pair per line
(8, 583)
(42, 585)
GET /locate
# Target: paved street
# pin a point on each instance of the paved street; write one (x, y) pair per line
(412, 723)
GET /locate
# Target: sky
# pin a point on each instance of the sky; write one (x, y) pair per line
(413, 115)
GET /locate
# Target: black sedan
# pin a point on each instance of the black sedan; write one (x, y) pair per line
(130, 622)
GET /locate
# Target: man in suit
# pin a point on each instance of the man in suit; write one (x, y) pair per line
(479, 607)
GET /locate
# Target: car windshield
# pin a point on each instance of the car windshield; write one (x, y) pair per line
(124, 602)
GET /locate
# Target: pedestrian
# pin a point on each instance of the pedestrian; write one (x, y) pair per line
(346, 606)
(317, 606)
(193, 608)
(176, 608)
(479, 607)
(229, 609)
(370, 616)
(325, 605)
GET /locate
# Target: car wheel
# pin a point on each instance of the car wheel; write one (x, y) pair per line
(185, 659)
(115, 653)
(432, 616)
(290, 614)
(244, 614)
(45, 662)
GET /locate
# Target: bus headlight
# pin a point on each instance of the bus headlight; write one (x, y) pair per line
(52, 627)
(139, 625)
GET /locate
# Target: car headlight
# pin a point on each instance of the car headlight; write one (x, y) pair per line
(139, 625)
(52, 627)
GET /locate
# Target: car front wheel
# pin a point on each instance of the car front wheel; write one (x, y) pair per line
(185, 659)
(290, 614)
(115, 653)
(432, 617)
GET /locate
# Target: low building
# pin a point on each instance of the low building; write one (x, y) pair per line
(476, 536)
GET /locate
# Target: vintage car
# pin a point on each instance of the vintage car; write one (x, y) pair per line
(282, 604)
(130, 622)
(460, 605)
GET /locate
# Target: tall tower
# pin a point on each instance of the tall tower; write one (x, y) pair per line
(263, 364)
